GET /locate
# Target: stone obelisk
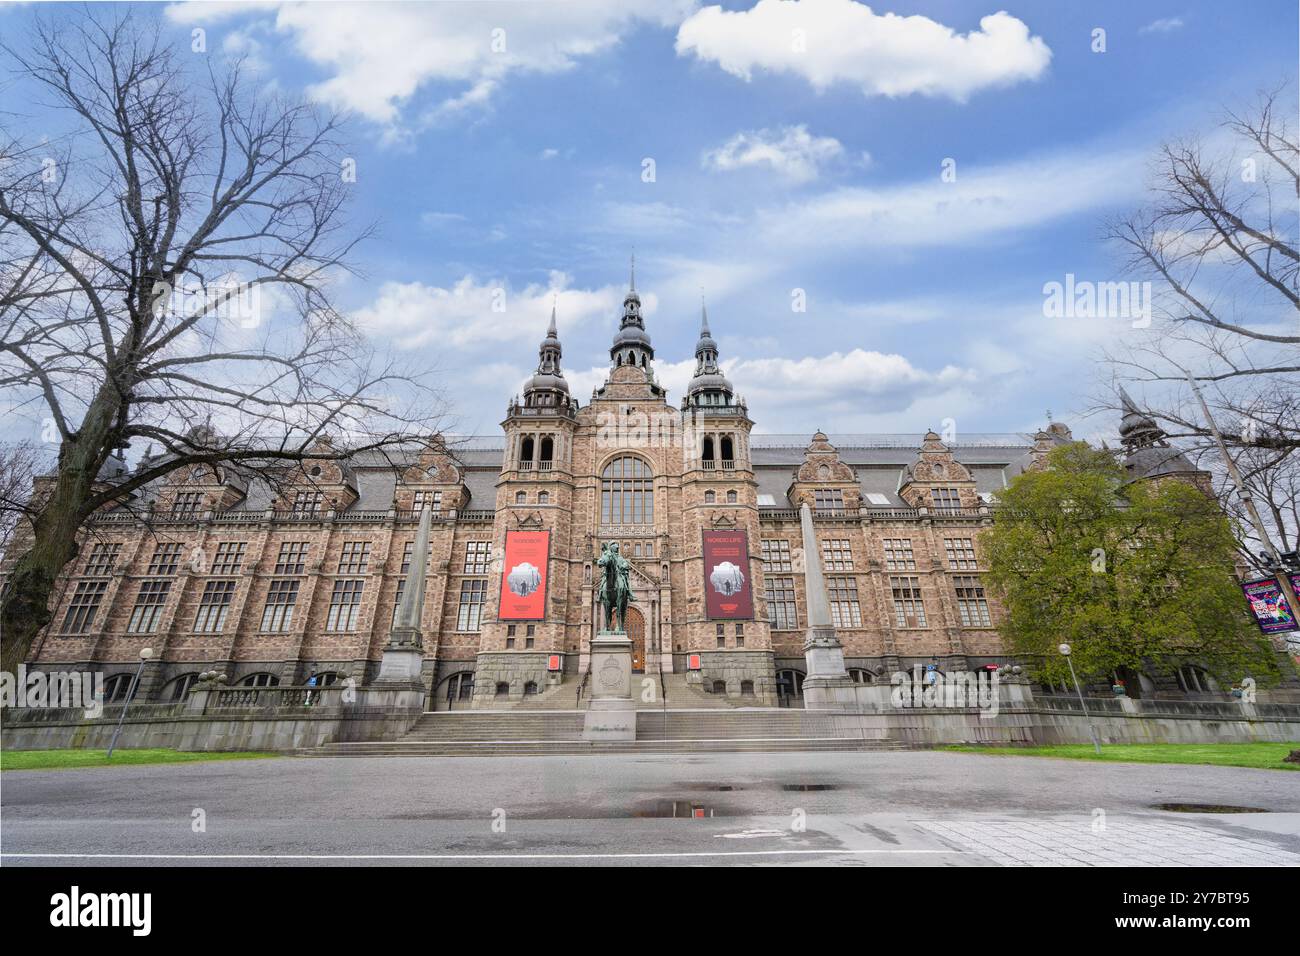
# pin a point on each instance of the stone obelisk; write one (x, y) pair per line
(828, 685)
(403, 657)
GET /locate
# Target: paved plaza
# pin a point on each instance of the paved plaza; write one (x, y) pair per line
(873, 809)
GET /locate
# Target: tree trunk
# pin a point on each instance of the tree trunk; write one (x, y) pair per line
(26, 605)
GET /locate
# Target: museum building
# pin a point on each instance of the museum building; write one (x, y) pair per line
(274, 585)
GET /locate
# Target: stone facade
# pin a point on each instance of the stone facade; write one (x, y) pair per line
(274, 584)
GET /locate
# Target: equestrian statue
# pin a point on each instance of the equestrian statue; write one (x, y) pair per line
(615, 591)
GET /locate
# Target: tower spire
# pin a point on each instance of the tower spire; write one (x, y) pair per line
(632, 278)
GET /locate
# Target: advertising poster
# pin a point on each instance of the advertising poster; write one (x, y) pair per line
(523, 576)
(728, 596)
(1268, 605)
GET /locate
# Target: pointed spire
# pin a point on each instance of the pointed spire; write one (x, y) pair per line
(704, 318)
(632, 279)
(551, 332)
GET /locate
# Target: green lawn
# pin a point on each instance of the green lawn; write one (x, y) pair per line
(1265, 756)
(65, 759)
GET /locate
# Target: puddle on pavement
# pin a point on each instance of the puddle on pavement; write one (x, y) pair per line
(807, 787)
(1207, 808)
(680, 810)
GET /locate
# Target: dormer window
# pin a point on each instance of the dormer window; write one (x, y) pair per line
(828, 500)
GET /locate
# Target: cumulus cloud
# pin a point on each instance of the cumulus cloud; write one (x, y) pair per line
(473, 314)
(828, 42)
(791, 151)
(379, 55)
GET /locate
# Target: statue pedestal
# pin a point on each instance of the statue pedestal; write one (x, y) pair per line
(828, 685)
(611, 714)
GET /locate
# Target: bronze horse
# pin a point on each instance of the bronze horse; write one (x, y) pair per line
(615, 591)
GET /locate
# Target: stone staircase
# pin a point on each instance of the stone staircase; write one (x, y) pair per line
(515, 732)
(681, 695)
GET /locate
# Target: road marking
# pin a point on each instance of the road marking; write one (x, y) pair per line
(453, 856)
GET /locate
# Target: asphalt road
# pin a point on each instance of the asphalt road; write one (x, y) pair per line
(873, 809)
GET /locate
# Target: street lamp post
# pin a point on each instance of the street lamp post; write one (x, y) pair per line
(145, 654)
(1092, 731)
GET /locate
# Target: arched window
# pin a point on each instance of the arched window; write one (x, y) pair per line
(708, 448)
(548, 448)
(710, 497)
(118, 689)
(1193, 679)
(860, 676)
(526, 448)
(719, 687)
(503, 689)
(325, 678)
(179, 688)
(747, 688)
(543, 497)
(521, 498)
(731, 497)
(530, 688)
(728, 451)
(627, 492)
(458, 688)
(261, 679)
(789, 685)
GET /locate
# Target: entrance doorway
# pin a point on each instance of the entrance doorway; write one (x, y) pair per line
(636, 631)
(789, 688)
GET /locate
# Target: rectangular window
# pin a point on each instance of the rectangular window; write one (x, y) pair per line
(308, 502)
(214, 606)
(828, 500)
(909, 611)
(898, 555)
(781, 612)
(292, 558)
(166, 558)
(345, 606)
(473, 595)
(776, 554)
(845, 610)
(971, 604)
(186, 504)
(280, 601)
(148, 607)
(945, 499)
(431, 498)
(102, 558)
(82, 607)
(837, 555)
(478, 557)
(354, 557)
(961, 553)
(229, 558)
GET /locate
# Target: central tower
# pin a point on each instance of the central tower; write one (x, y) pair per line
(632, 342)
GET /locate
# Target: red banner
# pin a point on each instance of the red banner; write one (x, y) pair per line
(727, 590)
(523, 576)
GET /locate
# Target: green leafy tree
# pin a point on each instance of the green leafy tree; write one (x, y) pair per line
(1134, 575)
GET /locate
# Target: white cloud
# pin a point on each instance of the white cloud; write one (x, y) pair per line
(468, 314)
(982, 202)
(548, 153)
(1163, 25)
(792, 151)
(882, 54)
(379, 55)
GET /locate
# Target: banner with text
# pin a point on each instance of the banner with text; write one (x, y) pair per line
(726, 576)
(523, 576)
(1268, 604)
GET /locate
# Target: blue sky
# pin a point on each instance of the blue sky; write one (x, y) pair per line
(775, 170)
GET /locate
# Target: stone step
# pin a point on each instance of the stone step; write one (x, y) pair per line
(487, 748)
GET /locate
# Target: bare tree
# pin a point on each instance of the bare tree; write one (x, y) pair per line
(1219, 242)
(20, 462)
(166, 267)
